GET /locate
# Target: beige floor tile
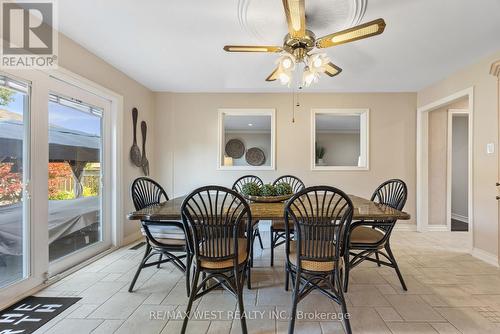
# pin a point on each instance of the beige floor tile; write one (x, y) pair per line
(367, 320)
(193, 327)
(119, 306)
(388, 314)
(75, 326)
(445, 328)
(367, 297)
(467, 320)
(107, 327)
(411, 328)
(301, 327)
(413, 308)
(146, 319)
(220, 327)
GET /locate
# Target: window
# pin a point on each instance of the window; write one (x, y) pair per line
(246, 139)
(14, 176)
(340, 139)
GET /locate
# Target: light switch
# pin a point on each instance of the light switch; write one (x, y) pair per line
(490, 148)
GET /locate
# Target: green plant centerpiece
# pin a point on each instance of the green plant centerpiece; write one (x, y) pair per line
(283, 188)
(250, 189)
(266, 193)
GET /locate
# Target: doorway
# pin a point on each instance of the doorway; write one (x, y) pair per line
(457, 194)
(426, 181)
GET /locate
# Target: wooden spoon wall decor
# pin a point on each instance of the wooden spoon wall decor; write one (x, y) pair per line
(135, 152)
(145, 162)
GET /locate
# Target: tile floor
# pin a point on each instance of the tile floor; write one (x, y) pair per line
(448, 292)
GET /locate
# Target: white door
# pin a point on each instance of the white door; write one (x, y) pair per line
(79, 222)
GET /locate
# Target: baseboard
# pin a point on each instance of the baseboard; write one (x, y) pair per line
(405, 227)
(461, 218)
(485, 256)
(131, 238)
(437, 228)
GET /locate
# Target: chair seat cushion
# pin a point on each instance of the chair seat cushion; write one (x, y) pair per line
(166, 232)
(312, 265)
(171, 242)
(366, 235)
(279, 225)
(214, 264)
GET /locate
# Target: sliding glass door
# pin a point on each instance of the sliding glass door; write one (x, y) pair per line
(78, 225)
(14, 180)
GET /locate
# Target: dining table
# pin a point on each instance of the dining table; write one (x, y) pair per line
(364, 209)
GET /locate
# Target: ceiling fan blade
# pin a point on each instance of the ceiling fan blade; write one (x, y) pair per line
(273, 76)
(252, 48)
(361, 31)
(332, 70)
(296, 17)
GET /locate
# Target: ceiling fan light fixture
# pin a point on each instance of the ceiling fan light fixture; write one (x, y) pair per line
(308, 77)
(356, 34)
(317, 62)
(285, 78)
(287, 62)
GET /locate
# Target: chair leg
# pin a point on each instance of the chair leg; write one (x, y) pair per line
(188, 274)
(239, 297)
(346, 269)
(295, 301)
(287, 277)
(161, 257)
(347, 323)
(393, 260)
(252, 241)
(272, 247)
(249, 276)
(257, 234)
(378, 259)
(143, 261)
(194, 290)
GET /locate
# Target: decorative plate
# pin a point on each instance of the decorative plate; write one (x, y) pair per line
(255, 156)
(267, 199)
(235, 148)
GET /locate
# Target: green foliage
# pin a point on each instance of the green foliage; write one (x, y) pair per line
(90, 191)
(268, 190)
(320, 152)
(6, 96)
(62, 195)
(250, 189)
(284, 188)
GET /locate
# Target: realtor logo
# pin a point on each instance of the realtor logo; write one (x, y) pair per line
(29, 34)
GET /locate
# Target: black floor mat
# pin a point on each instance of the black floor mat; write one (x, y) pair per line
(31, 313)
(139, 245)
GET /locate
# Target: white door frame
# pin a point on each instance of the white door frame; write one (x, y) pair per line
(449, 165)
(423, 161)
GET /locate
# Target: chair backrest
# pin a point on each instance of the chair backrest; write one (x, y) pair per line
(294, 182)
(147, 192)
(321, 217)
(239, 183)
(216, 217)
(392, 193)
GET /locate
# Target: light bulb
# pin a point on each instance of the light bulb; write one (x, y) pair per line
(317, 62)
(284, 78)
(287, 63)
(309, 77)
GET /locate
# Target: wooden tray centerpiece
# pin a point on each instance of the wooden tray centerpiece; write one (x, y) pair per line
(266, 193)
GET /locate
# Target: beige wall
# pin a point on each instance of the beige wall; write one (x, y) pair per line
(186, 147)
(76, 59)
(485, 167)
(438, 124)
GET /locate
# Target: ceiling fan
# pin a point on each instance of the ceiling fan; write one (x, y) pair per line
(299, 42)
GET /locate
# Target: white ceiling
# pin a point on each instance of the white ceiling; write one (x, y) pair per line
(176, 45)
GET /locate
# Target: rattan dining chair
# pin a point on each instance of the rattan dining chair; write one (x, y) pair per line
(219, 225)
(238, 186)
(321, 216)
(367, 238)
(278, 227)
(163, 238)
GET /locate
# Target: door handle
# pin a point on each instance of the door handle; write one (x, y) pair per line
(498, 198)
(498, 184)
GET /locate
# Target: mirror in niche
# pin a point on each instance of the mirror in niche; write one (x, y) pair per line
(340, 139)
(246, 139)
